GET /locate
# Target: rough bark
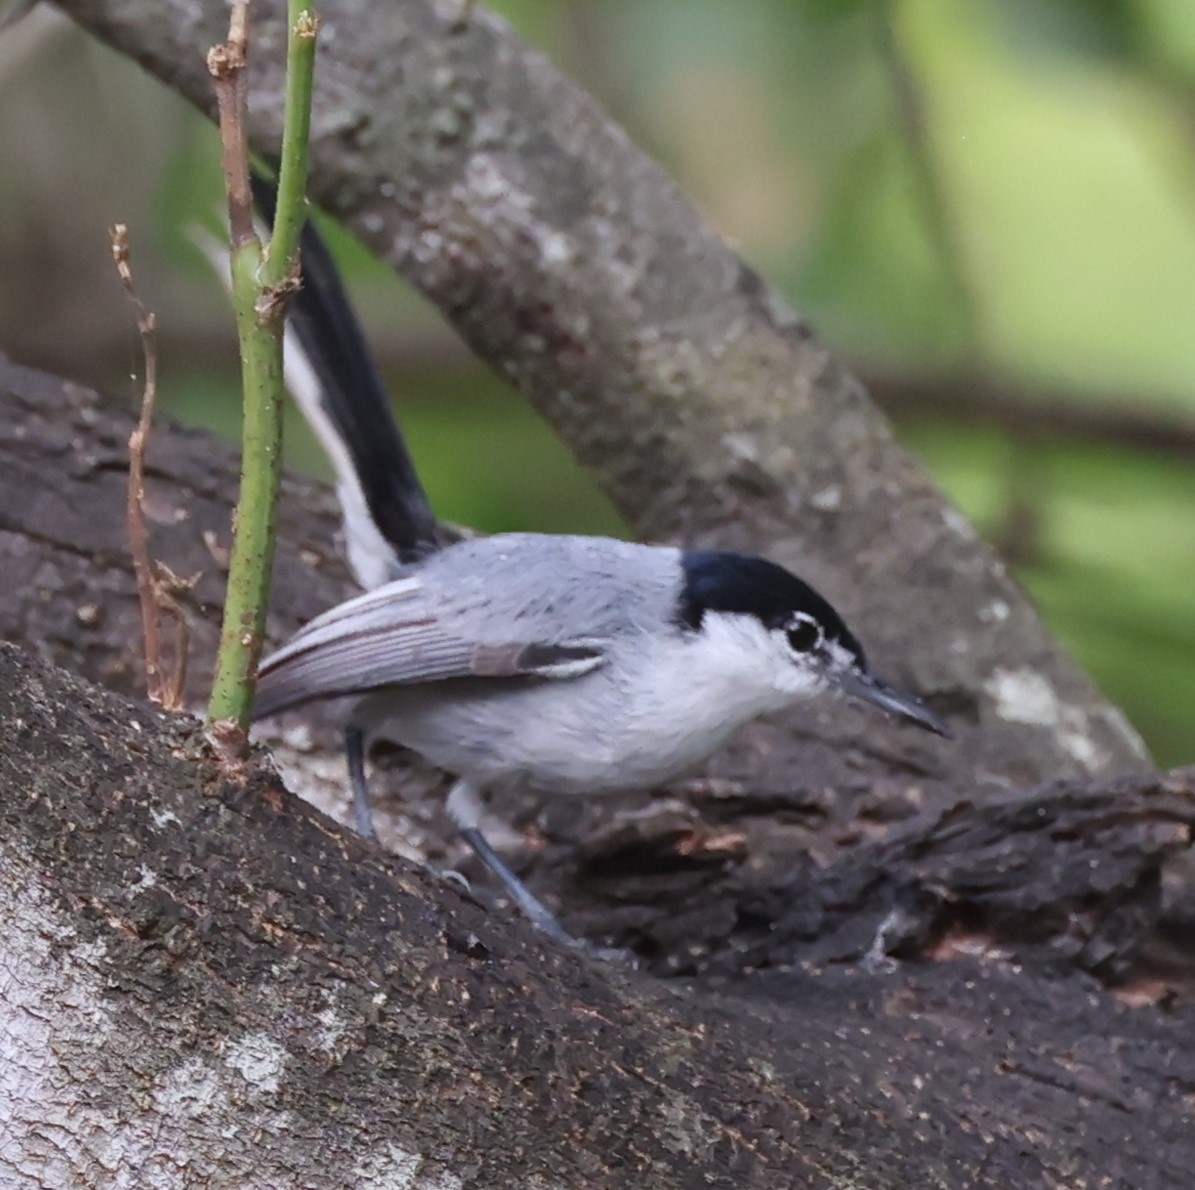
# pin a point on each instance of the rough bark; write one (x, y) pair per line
(66, 584)
(205, 982)
(571, 263)
(67, 589)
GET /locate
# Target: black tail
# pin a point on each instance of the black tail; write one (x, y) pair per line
(353, 400)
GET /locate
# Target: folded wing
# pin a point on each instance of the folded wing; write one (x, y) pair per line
(397, 635)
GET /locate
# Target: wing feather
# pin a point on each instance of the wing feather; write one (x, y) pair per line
(397, 635)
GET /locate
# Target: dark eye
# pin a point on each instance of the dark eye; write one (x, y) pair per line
(804, 634)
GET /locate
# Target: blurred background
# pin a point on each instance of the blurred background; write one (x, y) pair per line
(986, 206)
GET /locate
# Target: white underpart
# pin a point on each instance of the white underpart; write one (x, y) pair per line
(663, 703)
(689, 696)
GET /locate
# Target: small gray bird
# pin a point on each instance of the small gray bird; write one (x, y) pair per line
(569, 665)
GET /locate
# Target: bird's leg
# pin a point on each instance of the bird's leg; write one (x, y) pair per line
(354, 751)
(532, 908)
(465, 809)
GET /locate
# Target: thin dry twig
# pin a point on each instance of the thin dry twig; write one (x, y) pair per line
(154, 594)
(166, 588)
(226, 64)
(135, 509)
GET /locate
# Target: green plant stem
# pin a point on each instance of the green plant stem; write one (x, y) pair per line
(261, 279)
(253, 537)
(291, 210)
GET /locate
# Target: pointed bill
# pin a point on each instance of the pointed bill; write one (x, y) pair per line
(895, 702)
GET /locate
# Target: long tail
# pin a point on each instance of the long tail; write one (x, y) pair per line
(333, 377)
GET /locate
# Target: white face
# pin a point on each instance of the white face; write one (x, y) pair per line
(769, 667)
(743, 669)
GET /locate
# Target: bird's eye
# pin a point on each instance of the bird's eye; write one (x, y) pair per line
(804, 634)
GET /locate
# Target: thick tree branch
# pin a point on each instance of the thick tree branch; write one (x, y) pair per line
(571, 263)
(200, 973)
(729, 878)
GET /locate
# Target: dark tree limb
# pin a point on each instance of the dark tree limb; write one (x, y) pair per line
(1121, 421)
(201, 974)
(1066, 875)
(573, 265)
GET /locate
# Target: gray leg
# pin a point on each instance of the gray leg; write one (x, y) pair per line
(465, 808)
(532, 908)
(354, 751)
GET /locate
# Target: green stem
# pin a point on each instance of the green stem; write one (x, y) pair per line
(291, 211)
(253, 537)
(260, 281)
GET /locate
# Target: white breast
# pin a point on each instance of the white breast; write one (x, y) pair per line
(660, 707)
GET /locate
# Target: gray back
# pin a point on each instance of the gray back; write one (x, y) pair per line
(545, 588)
(514, 605)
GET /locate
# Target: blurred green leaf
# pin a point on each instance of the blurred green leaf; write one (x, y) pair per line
(1037, 28)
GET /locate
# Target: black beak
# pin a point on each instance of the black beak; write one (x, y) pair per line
(890, 700)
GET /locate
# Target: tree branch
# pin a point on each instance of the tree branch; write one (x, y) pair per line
(295, 1008)
(1120, 421)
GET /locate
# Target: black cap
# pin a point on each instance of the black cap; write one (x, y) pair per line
(721, 581)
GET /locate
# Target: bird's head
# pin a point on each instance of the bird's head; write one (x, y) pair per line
(795, 643)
